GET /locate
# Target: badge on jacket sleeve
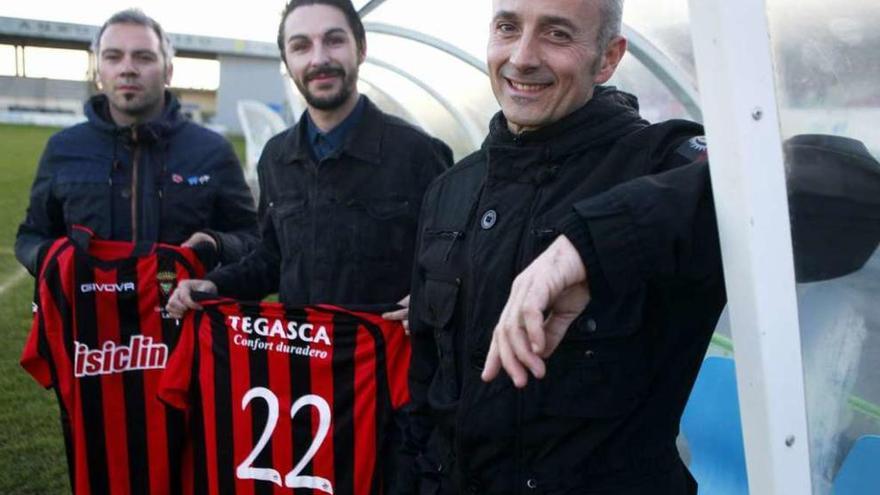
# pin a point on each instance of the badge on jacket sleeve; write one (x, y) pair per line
(694, 149)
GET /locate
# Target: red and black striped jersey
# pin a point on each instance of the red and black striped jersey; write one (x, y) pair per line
(101, 338)
(288, 399)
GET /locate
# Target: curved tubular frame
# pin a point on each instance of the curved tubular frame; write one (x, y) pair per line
(473, 133)
(378, 89)
(425, 39)
(666, 70)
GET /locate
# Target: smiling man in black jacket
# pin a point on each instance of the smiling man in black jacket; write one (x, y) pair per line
(138, 170)
(566, 162)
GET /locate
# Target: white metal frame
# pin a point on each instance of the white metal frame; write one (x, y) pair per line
(426, 39)
(472, 131)
(737, 84)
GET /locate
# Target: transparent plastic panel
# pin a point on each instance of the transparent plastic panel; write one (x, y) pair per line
(666, 25)
(656, 101)
(415, 105)
(828, 83)
(462, 85)
(464, 23)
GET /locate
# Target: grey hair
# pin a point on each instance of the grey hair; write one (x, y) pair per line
(611, 12)
(136, 17)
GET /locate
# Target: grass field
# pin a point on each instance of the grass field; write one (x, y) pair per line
(31, 446)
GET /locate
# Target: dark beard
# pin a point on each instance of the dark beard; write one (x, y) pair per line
(349, 80)
(329, 103)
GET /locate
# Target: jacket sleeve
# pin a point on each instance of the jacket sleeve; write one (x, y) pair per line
(257, 274)
(654, 229)
(44, 220)
(234, 223)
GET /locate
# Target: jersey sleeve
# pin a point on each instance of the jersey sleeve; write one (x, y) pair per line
(35, 358)
(177, 379)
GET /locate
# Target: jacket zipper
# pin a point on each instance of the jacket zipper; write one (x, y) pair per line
(134, 185)
(453, 236)
(520, 258)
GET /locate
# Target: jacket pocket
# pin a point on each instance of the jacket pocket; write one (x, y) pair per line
(439, 295)
(385, 229)
(601, 369)
(289, 219)
(86, 202)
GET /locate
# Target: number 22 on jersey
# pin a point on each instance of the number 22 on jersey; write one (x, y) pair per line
(293, 479)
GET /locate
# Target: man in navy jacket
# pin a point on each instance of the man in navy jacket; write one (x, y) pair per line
(138, 170)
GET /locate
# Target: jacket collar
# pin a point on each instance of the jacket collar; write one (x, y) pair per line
(97, 110)
(608, 115)
(364, 141)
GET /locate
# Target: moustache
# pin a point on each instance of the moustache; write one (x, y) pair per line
(324, 72)
(538, 76)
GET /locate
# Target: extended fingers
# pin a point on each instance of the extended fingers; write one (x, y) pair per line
(396, 315)
(493, 363)
(512, 348)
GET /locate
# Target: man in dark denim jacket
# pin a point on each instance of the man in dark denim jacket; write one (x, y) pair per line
(340, 192)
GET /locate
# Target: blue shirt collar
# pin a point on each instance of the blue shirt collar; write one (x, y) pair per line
(322, 144)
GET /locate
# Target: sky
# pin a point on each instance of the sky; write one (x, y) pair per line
(254, 19)
(258, 19)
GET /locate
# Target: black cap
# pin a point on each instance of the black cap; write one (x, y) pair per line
(834, 201)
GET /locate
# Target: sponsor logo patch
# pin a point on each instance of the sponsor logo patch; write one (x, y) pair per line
(141, 353)
(94, 287)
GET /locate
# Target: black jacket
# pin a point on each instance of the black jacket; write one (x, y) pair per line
(636, 201)
(180, 177)
(343, 230)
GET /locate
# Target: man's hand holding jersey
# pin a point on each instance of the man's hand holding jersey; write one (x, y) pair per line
(181, 299)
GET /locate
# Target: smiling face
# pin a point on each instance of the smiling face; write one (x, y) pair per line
(132, 73)
(544, 58)
(322, 56)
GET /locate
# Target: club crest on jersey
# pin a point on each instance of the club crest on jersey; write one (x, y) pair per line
(266, 327)
(166, 281)
(95, 287)
(141, 353)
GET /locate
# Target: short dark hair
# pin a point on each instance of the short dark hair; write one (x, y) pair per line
(136, 17)
(351, 15)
